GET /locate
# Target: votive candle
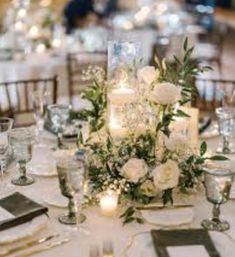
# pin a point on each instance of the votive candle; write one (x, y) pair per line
(109, 203)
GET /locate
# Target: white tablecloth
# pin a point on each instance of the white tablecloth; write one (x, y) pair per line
(102, 228)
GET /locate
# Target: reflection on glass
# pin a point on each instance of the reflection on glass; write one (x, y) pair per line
(21, 140)
(40, 102)
(59, 115)
(5, 127)
(226, 122)
(218, 184)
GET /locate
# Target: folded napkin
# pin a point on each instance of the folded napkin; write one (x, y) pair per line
(169, 216)
(183, 243)
(17, 209)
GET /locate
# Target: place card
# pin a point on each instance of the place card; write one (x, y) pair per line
(183, 243)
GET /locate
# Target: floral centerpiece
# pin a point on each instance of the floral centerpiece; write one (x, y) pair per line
(148, 159)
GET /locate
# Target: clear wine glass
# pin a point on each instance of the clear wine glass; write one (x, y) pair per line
(218, 184)
(40, 101)
(5, 127)
(71, 175)
(59, 116)
(226, 123)
(21, 140)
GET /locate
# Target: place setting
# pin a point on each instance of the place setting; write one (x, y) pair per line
(117, 126)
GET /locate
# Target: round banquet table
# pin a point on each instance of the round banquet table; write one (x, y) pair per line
(98, 228)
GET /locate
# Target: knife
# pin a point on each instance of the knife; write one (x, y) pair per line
(44, 248)
(27, 245)
(161, 207)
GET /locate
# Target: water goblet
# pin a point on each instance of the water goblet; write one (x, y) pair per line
(21, 140)
(5, 127)
(59, 115)
(71, 179)
(40, 101)
(218, 183)
(226, 122)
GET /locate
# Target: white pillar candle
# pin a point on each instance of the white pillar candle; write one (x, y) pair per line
(109, 203)
(122, 95)
(181, 125)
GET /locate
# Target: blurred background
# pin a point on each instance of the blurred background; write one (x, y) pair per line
(58, 39)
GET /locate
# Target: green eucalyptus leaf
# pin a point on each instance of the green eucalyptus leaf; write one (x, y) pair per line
(218, 158)
(203, 148)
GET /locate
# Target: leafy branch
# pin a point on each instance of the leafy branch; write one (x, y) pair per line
(96, 94)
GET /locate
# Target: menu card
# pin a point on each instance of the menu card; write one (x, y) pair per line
(17, 209)
(183, 243)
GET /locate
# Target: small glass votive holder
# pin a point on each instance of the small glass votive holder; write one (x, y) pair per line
(109, 203)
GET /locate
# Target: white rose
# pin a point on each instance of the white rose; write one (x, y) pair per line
(148, 188)
(166, 175)
(147, 74)
(177, 142)
(134, 169)
(165, 93)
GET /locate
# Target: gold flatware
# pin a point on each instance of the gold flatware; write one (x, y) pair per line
(44, 248)
(27, 245)
(161, 207)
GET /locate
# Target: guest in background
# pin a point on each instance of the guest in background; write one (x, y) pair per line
(224, 3)
(205, 16)
(79, 14)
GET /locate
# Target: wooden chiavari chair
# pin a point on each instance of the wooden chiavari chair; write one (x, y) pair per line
(213, 93)
(77, 63)
(16, 97)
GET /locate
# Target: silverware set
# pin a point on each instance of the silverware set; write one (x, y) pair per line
(107, 250)
(32, 246)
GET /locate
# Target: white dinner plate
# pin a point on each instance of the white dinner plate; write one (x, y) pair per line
(24, 230)
(44, 170)
(56, 199)
(169, 217)
(141, 245)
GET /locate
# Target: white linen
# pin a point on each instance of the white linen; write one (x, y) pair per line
(5, 215)
(169, 217)
(102, 228)
(24, 230)
(183, 251)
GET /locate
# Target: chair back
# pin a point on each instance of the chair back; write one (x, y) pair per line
(77, 64)
(16, 96)
(213, 93)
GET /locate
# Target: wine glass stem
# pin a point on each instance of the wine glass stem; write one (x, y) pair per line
(59, 142)
(72, 207)
(225, 144)
(22, 169)
(216, 213)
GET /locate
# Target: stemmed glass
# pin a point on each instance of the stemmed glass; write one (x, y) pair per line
(21, 140)
(218, 183)
(5, 127)
(226, 122)
(59, 115)
(71, 175)
(40, 101)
